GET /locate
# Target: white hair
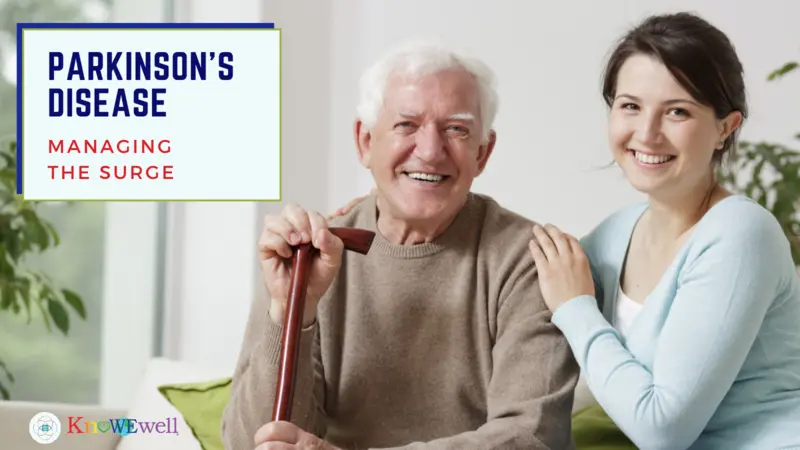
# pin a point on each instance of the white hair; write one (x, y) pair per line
(417, 59)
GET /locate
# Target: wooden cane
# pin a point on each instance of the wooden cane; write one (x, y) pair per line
(354, 239)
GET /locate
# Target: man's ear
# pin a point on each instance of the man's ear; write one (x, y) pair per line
(363, 142)
(485, 151)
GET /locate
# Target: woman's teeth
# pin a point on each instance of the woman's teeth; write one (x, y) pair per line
(425, 176)
(652, 159)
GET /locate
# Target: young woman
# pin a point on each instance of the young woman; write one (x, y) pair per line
(683, 311)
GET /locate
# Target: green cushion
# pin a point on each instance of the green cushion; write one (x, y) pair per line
(201, 405)
(592, 429)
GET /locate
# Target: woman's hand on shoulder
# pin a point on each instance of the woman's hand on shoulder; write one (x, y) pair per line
(346, 208)
(562, 265)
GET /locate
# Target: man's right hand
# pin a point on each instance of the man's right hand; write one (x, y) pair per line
(292, 227)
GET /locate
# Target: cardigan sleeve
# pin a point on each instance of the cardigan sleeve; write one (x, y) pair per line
(719, 303)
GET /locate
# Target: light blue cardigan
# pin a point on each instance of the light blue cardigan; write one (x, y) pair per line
(713, 359)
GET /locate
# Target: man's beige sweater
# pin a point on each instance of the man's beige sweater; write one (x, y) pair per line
(443, 345)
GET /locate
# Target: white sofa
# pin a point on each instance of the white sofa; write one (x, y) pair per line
(147, 404)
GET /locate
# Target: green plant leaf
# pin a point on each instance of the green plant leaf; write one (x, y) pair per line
(14, 247)
(45, 316)
(36, 232)
(59, 315)
(24, 293)
(7, 296)
(9, 161)
(5, 370)
(4, 392)
(53, 233)
(74, 300)
(782, 71)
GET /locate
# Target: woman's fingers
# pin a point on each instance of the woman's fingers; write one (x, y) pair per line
(575, 246)
(559, 240)
(546, 243)
(538, 255)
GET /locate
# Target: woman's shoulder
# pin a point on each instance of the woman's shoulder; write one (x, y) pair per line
(736, 219)
(729, 220)
(738, 231)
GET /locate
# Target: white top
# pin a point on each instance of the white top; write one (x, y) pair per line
(625, 313)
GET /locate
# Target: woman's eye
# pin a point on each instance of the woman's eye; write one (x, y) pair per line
(680, 112)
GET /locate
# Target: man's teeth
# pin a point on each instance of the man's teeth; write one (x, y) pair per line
(425, 176)
(652, 159)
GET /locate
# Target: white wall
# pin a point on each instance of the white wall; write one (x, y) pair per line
(551, 124)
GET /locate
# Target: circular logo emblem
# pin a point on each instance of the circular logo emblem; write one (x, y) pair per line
(45, 428)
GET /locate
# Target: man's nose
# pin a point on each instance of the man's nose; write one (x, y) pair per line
(429, 144)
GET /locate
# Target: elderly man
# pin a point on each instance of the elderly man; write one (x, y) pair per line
(437, 339)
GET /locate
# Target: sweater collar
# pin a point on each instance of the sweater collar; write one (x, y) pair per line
(454, 235)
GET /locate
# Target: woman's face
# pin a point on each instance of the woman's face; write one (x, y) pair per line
(661, 137)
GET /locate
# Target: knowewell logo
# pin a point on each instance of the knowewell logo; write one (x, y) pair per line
(45, 428)
(122, 426)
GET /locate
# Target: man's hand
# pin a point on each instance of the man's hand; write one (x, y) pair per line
(292, 227)
(287, 436)
(563, 267)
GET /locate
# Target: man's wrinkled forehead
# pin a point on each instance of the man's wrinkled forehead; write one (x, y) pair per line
(453, 96)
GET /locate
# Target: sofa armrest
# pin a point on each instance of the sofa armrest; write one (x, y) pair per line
(15, 420)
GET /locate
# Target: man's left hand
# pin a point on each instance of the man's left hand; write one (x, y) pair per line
(288, 436)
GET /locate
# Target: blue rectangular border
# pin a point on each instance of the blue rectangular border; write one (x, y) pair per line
(110, 26)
